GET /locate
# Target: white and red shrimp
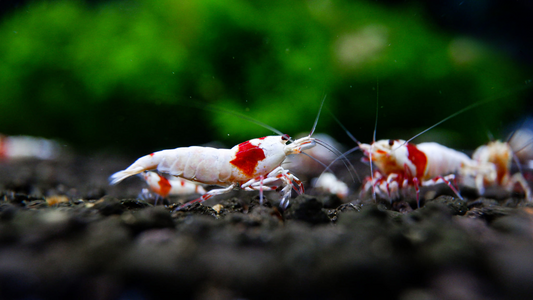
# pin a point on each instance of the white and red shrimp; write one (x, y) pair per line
(26, 147)
(251, 165)
(164, 187)
(499, 156)
(401, 164)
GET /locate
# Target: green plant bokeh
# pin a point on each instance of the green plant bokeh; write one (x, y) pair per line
(132, 75)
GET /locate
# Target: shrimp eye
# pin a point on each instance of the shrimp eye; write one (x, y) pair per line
(285, 137)
(391, 142)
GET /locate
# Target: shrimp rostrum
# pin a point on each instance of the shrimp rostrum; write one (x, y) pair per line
(254, 165)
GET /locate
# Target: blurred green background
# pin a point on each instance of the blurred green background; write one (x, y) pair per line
(130, 75)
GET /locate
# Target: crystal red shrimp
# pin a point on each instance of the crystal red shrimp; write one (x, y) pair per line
(401, 164)
(499, 156)
(251, 165)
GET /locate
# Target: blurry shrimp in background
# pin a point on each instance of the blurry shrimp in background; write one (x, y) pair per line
(26, 147)
(163, 186)
(306, 167)
(313, 171)
(522, 143)
(510, 162)
(501, 155)
(327, 182)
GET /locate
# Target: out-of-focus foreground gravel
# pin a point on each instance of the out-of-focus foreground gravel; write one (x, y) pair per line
(64, 233)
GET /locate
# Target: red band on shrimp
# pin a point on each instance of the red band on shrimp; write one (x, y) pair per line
(247, 158)
(501, 162)
(3, 147)
(164, 186)
(418, 158)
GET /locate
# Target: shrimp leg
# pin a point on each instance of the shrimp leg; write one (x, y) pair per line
(208, 195)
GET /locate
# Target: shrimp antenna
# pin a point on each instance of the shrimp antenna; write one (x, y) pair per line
(522, 125)
(317, 160)
(318, 115)
(343, 155)
(350, 135)
(374, 139)
(490, 135)
(524, 146)
(444, 120)
(340, 155)
(345, 159)
(514, 153)
(469, 107)
(377, 107)
(517, 162)
(515, 157)
(510, 136)
(214, 108)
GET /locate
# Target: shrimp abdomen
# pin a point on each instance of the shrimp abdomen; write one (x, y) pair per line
(203, 164)
(442, 160)
(147, 162)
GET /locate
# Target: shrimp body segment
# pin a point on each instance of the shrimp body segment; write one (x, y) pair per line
(402, 164)
(251, 165)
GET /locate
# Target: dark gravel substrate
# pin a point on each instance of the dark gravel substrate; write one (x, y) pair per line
(65, 234)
